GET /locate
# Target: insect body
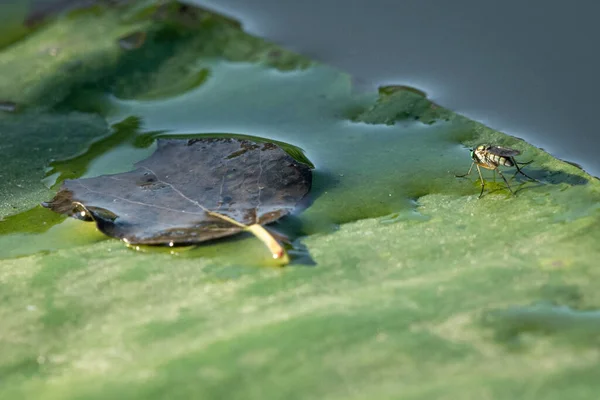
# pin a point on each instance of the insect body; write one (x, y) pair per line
(491, 157)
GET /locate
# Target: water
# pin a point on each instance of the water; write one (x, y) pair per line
(522, 71)
(361, 170)
(524, 68)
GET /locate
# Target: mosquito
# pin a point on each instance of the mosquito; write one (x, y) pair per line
(491, 157)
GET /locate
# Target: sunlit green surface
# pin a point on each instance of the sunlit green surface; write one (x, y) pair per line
(417, 289)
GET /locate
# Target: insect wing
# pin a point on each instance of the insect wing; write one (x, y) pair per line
(503, 151)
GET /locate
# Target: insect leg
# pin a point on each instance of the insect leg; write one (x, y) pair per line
(468, 173)
(524, 163)
(520, 171)
(505, 181)
(515, 163)
(482, 181)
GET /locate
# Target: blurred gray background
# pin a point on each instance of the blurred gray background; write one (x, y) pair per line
(528, 68)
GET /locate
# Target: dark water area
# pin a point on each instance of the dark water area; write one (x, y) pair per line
(529, 69)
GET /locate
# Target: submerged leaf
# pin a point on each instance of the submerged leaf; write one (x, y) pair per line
(190, 191)
(397, 102)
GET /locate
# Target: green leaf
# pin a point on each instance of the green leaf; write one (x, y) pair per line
(29, 143)
(416, 289)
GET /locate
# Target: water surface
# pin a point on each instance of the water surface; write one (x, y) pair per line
(525, 68)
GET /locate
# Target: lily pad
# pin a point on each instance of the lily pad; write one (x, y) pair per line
(419, 290)
(173, 197)
(77, 51)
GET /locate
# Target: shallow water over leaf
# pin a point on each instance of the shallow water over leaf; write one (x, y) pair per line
(308, 109)
(362, 170)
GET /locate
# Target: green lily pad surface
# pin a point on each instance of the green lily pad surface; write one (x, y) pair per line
(404, 285)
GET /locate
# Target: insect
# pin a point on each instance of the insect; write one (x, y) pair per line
(491, 157)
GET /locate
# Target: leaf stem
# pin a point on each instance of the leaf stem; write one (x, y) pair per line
(278, 252)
